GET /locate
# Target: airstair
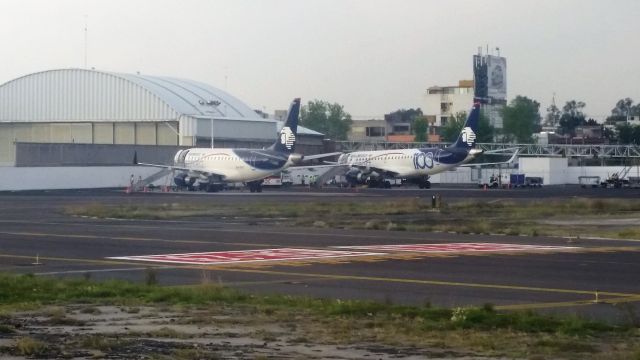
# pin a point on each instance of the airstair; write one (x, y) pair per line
(143, 183)
(330, 174)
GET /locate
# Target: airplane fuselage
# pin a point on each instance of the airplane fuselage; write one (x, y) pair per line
(406, 163)
(237, 165)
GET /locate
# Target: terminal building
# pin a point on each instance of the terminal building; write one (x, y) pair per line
(76, 118)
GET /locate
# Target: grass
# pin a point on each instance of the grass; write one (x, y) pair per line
(407, 214)
(479, 329)
(39, 290)
(27, 346)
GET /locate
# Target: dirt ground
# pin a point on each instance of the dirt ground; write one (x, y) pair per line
(116, 332)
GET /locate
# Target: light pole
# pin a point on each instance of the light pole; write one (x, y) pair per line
(213, 103)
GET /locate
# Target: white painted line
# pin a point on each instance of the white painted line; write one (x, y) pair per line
(458, 247)
(246, 256)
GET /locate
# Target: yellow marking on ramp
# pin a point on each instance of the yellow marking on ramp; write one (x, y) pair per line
(89, 261)
(425, 282)
(128, 238)
(612, 301)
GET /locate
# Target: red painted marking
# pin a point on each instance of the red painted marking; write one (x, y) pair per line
(227, 257)
(457, 247)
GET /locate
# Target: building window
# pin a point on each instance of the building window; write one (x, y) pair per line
(401, 129)
(375, 131)
(445, 107)
(443, 121)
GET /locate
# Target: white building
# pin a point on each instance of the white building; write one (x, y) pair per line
(442, 102)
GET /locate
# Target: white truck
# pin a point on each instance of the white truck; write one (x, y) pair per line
(278, 180)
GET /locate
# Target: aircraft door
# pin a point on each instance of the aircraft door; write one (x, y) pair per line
(180, 157)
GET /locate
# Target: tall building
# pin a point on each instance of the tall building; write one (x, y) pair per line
(490, 85)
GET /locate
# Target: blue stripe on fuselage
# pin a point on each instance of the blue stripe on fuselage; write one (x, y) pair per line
(262, 159)
(448, 156)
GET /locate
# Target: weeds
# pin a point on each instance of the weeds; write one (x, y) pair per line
(28, 289)
(412, 214)
(27, 346)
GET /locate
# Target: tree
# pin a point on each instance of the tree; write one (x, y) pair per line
(420, 127)
(451, 130)
(572, 116)
(329, 119)
(623, 107)
(403, 115)
(553, 116)
(521, 118)
(486, 132)
(628, 134)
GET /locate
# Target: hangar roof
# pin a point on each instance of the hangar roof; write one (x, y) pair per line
(193, 98)
(92, 95)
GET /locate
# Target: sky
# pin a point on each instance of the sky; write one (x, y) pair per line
(371, 56)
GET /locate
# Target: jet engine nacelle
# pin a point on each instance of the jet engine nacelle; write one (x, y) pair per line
(358, 176)
(295, 159)
(184, 180)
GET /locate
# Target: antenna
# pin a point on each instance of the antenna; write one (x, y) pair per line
(86, 39)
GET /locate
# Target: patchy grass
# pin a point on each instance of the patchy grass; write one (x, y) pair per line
(479, 330)
(27, 346)
(407, 214)
(30, 289)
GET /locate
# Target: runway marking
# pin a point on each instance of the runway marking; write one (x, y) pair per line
(246, 256)
(458, 247)
(430, 282)
(128, 238)
(611, 301)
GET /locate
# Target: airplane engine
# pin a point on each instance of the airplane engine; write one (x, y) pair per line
(295, 158)
(184, 180)
(355, 176)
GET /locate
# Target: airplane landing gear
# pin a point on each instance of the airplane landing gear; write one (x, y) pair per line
(255, 186)
(424, 183)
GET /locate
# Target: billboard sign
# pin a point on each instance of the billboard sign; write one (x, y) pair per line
(496, 77)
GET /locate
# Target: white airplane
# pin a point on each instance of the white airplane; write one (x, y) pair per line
(415, 165)
(210, 168)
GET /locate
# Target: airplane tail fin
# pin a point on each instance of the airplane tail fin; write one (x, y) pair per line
(467, 137)
(286, 141)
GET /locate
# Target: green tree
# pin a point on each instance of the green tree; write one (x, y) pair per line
(404, 115)
(329, 119)
(628, 134)
(623, 107)
(486, 132)
(452, 128)
(553, 116)
(520, 119)
(420, 127)
(572, 116)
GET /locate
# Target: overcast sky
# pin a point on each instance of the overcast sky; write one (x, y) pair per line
(372, 56)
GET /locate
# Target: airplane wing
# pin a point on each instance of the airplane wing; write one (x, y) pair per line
(172, 167)
(320, 156)
(511, 159)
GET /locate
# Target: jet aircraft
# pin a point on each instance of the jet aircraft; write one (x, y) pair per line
(415, 165)
(210, 168)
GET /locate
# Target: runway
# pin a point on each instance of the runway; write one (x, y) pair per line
(441, 269)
